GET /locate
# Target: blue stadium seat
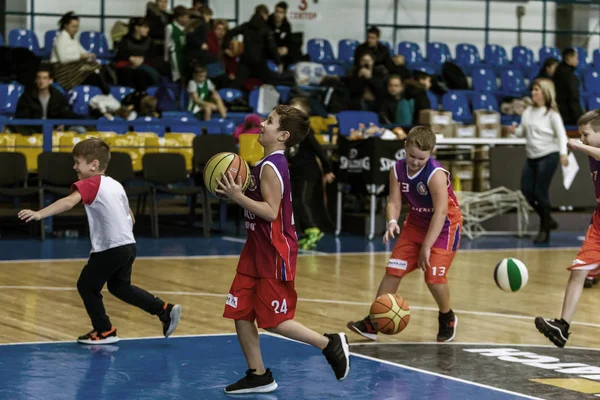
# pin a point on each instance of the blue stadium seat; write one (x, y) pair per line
(346, 49)
(253, 100)
(176, 115)
(49, 38)
(495, 55)
(591, 81)
(118, 125)
(349, 120)
(597, 59)
(513, 82)
(95, 42)
(319, 50)
(547, 52)
(80, 96)
(9, 96)
(388, 45)
(484, 80)
(272, 66)
(522, 57)
(484, 101)
(593, 102)
(335, 70)
(411, 52)
(229, 95)
(119, 92)
(458, 103)
(438, 52)
(284, 93)
(583, 63)
(180, 126)
(433, 100)
(151, 90)
(148, 124)
(25, 38)
(467, 56)
(1, 39)
(429, 68)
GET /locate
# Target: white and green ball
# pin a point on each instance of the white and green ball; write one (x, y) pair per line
(511, 275)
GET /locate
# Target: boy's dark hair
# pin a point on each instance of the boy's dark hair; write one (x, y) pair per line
(206, 11)
(374, 30)
(46, 68)
(568, 52)
(66, 19)
(592, 118)
(180, 11)
(295, 121)
(422, 137)
(261, 9)
(93, 149)
(394, 76)
(419, 75)
(282, 4)
(200, 68)
(301, 101)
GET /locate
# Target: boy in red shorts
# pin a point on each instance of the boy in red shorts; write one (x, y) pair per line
(431, 232)
(588, 259)
(263, 287)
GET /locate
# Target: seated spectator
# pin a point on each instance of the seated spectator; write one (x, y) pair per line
(395, 109)
(204, 97)
(197, 8)
(42, 101)
(416, 89)
(251, 124)
(365, 84)
(196, 43)
(104, 105)
(548, 69)
(381, 54)
(134, 54)
(567, 88)
(158, 18)
(73, 65)
(175, 41)
(282, 30)
(215, 48)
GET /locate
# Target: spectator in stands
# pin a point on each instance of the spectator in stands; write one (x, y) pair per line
(416, 88)
(158, 18)
(73, 65)
(567, 87)
(365, 84)
(215, 47)
(282, 31)
(548, 69)
(204, 97)
(196, 43)
(134, 54)
(305, 176)
(41, 101)
(104, 105)
(259, 46)
(175, 41)
(546, 145)
(196, 10)
(381, 54)
(394, 108)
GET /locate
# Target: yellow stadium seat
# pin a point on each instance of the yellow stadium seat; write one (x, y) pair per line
(171, 144)
(185, 142)
(64, 141)
(250, 150)
(131, 144)
(100, 135)
(7, 141)
(31, 146)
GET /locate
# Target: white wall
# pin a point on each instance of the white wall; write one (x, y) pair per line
(340, 19)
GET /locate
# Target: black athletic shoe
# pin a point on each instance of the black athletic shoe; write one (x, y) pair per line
(252, 383)
(337, 354)
(589, 282)
(95, 337)
(364, 328)
(447, 330)
(556, 330)
(170, 318)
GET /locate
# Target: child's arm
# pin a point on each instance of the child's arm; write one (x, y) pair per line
(438, 187)
(59, 206)
(220, 105)
(591, 151)
(270, 187)
(393, 208)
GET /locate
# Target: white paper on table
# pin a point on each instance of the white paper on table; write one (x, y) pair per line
(570, 171)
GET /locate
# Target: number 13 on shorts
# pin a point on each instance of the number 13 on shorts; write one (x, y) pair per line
(438, 271)
(279, 307)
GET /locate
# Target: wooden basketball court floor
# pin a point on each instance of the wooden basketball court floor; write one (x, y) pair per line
(41, 304)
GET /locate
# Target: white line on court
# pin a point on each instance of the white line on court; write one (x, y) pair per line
(308, 300)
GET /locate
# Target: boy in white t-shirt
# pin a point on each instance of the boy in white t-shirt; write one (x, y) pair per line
(204, 96)
(113, 245)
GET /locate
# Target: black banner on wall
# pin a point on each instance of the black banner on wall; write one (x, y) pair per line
(368, 161)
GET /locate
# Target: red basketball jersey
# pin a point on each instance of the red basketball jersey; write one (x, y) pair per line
(271, 248)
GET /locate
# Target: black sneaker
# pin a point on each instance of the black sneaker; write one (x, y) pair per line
(556, 330)
(589, 282)
(337, 354)
(170, 318)
(364, 328)
(252, 383)
(448, 323)
(95, 337)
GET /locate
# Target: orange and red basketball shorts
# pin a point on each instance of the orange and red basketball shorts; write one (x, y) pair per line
(588, 257)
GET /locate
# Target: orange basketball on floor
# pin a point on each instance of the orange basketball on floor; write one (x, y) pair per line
(222, 163)
(389, 314)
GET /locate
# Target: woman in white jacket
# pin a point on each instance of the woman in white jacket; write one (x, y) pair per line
(72, 64)
(546, 137)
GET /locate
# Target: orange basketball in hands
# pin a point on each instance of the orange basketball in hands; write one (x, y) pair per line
(224, 163)
(389, 314)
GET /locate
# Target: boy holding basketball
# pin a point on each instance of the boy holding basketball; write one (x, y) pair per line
(113, 245)
(431, 232)
(263, 288)
(587, 260)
